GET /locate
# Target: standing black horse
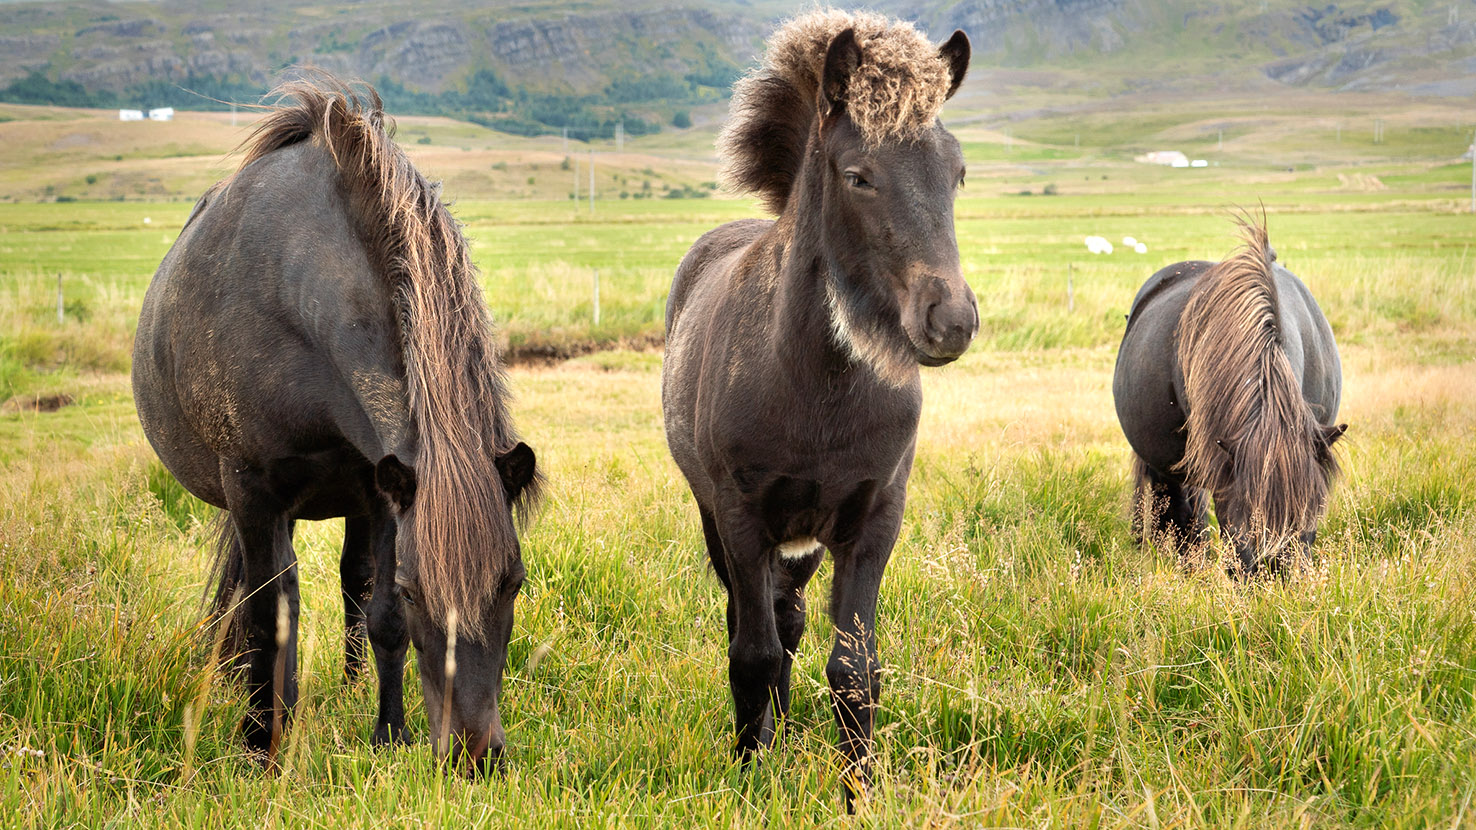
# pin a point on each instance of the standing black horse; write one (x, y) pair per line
(1227, 384)
(315, 345)
(790, 382)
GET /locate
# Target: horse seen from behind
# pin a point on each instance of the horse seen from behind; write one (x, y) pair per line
(315, 345)
(790, 385)
(1227, 385)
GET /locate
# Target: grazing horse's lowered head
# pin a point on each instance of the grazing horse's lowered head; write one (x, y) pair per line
(841, 127)
(460, 619)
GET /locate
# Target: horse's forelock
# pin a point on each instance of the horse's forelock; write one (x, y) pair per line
(895, 94)
(464, 534)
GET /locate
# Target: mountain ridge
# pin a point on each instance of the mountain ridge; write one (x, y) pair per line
(521, 64)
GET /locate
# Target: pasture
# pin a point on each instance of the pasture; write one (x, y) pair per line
(1041, 669)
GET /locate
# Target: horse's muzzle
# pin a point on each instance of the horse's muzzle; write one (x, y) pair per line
(950, 322)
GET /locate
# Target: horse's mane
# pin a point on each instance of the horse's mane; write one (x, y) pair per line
(457, 390)
(1249, 431)
(895, 93)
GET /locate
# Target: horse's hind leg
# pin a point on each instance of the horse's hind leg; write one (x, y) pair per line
(387, 632)
(269, 610)
(790, 577)
(1165, 509)
(719, 561)
(356, 574)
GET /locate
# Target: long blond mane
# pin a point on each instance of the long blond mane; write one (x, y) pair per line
(457, 391)
(1249, 432)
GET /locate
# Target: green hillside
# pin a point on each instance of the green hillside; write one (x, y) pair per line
(540, 67)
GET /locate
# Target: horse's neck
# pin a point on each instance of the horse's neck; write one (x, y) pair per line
(803, 333)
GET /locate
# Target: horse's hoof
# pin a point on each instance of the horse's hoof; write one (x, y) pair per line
(386, 735)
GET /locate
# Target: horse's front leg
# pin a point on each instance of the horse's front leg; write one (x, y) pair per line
(755, 655)
(263, 536)
(854, 668)
(387, 633)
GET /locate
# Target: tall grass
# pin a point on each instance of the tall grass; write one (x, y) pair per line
(1041, 669)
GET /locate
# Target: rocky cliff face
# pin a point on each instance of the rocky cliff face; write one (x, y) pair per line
(1035, 31)
(579, 48)
(427, 49)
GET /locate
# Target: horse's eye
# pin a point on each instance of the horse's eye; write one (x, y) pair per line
(408, 595)
(855, 180)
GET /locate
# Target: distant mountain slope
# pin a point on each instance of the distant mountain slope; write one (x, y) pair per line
(1416, 45)
(532, 64)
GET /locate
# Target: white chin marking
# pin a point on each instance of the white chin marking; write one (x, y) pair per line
(864, 347)
(798, 548)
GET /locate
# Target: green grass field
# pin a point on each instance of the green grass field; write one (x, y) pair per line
(1042, 670)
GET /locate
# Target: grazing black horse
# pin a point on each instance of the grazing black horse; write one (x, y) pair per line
(790, 383)
(315, 345)
(1227, 384)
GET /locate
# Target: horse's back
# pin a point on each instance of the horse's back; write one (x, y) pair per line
(698, 295)
(1147, 389)
(250, 319)
(1311, 349)
(706, 259)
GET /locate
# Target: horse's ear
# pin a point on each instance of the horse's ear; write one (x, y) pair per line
(956, 54)
(1330, 435)
(841, 59)
(517, 467)
(395, 480)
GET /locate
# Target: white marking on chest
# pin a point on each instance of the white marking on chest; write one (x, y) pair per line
(798, 548)
(864, 345)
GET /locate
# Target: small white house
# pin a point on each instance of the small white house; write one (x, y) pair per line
(161, 114)
(1168, 158)
(130, 115)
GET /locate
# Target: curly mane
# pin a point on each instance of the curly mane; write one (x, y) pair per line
(895, 94)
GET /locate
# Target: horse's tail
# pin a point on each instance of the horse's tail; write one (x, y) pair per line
(1249, 432)
(228, 575)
